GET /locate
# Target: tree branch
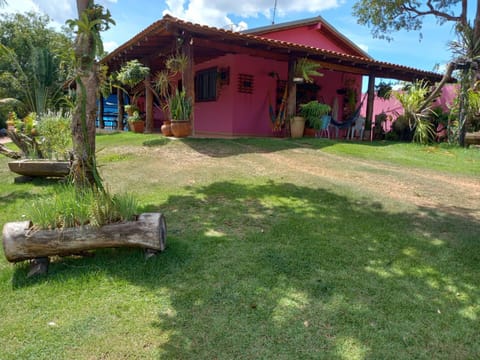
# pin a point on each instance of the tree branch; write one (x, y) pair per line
(434, 94)
(432, 11)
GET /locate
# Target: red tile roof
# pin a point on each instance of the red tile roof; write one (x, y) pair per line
(163, 32)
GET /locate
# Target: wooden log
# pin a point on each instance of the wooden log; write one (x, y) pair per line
(22, 242)
(472, 139)
(9, 153)
(40, 167)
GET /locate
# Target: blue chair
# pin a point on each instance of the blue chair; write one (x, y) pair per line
(324, 127)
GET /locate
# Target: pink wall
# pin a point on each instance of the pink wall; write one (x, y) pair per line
(393, 108)
(216, 117)
(314, 36)
(251, 111)
(241, 114)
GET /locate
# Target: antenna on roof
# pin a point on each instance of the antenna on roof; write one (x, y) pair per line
(274, 12)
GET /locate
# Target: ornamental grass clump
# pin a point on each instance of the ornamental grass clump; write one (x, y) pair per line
(67, 206)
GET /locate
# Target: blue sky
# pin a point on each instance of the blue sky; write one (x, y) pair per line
(132, 16)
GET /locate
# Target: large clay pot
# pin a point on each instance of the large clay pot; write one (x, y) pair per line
(137, 126)
(297, 125)
(166, 128)
(181, 128)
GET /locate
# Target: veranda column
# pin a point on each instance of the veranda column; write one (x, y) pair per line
(189, 76)
(120, 109)
(148, 104)
(292, 95)
(370, 102)
(101, 111)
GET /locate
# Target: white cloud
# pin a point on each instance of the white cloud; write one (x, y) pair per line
(21, 6)
(364, 47)
(219, 13)
(58, 10)
(109, 46)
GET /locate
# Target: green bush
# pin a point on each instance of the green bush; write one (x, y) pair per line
(54, 130)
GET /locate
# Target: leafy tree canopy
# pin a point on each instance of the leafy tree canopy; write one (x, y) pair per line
(32, 50)
(385, 17)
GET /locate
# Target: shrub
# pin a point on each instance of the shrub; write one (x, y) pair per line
(54, 130)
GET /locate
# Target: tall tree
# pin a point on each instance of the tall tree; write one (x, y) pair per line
(387, 16)
(88, 46)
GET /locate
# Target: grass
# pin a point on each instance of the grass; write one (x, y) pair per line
(267, 258)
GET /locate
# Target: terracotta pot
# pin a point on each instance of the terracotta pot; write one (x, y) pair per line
(181, 128)
(137, 126)
(309, 132)
(167, 128)
(297, 125)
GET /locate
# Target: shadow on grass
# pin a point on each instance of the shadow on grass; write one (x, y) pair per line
(284, 271)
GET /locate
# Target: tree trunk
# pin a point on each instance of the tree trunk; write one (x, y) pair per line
(21, 242)
(84, 171)
(83, 130)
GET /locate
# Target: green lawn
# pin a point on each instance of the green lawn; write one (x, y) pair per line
(277, 249)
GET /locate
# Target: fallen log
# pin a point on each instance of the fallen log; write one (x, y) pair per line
(22, 242)
(9, 153)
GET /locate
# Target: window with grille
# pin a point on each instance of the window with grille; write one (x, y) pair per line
(206, 85)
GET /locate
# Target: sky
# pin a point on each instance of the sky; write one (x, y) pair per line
(132, 16)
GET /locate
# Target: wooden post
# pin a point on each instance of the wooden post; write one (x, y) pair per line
(189, 76)
(101, 110)
(370, 103)
(148, 104)
(292, 95)
(120, 109)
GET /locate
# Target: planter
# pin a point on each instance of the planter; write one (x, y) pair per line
(181, 128)
(309, 132)
(137, 126)
(22, 242)
(297, 125)
(40, 167)
(472, 139)
(166, 128)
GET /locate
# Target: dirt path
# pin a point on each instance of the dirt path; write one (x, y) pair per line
(455, 194)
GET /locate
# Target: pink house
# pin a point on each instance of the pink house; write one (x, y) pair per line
(238, 80)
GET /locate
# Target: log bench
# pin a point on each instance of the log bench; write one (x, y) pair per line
(472, 138)
(22, 242)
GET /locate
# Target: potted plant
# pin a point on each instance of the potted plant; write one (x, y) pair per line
(136, 123)
(181, 108)
(304, 71)
(130, 74)
(313, 112)
(164, 85)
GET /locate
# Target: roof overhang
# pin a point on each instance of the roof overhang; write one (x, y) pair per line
(156, 42)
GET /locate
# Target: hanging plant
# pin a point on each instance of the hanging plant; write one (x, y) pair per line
(384, 90)
(306, 69)
(132, 73)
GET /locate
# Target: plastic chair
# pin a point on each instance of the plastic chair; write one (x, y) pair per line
(324, 127)
(357, 129)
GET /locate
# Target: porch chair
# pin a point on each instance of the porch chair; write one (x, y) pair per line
(357, 128)
(324, 126)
